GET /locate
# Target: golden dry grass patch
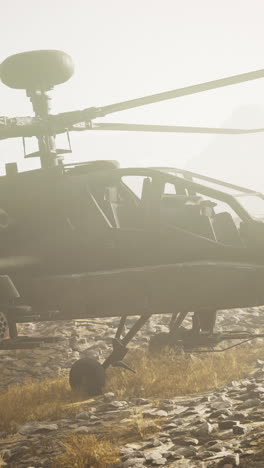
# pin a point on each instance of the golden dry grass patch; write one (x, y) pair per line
(102, 451)
(172, 374)
(134, 429)
(35, 401)
(82, 451)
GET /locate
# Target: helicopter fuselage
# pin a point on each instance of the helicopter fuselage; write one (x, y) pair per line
(90, 240)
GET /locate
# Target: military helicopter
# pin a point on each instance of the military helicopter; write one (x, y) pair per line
(96, 240)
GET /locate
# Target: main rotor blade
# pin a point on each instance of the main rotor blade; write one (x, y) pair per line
(123, 127)
(199, 88)
(18, 261)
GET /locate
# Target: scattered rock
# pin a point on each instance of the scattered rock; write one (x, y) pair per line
(83, 430)
(251, 403)
(33, 428)
(135, 462)
(155, 413)
(227, 424)
(83, 415)
(186, 452)
(238, 430)
(204, 430)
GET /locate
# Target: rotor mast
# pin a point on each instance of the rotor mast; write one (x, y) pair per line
(47, 144)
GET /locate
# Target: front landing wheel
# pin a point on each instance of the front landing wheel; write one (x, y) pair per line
(87, 376)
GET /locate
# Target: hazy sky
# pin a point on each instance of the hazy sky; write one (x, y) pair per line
(129, 48)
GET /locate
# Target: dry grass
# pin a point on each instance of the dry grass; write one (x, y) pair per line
(137, 428)
(82, 451)
(170, 374)
(167, 376)
(34, 400)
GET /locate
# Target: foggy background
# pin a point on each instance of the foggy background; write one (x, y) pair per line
(124, 49)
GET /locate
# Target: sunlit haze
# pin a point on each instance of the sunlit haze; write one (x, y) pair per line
(124, 49)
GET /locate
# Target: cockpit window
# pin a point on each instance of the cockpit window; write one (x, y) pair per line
(253, 204)
(169, 189)
(135, 184)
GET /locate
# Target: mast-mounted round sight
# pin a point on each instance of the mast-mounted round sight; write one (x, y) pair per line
(36, 69)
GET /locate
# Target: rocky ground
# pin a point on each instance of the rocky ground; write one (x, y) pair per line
(217, 429)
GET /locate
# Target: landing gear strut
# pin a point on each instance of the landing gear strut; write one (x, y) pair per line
(201, 338)
(203, 323)
(87, 375)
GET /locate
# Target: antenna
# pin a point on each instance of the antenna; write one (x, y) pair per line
(38, 71)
